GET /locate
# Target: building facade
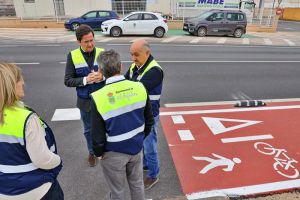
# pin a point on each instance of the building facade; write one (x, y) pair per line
(71, 8)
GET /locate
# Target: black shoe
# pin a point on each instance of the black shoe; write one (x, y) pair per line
(149, 182)
(145, 169)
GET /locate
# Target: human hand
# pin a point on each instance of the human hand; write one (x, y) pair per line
(90, 77)
(98, 76)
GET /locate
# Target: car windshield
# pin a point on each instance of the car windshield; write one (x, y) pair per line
(204, 15)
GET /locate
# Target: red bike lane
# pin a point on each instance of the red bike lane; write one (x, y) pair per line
(221, 150)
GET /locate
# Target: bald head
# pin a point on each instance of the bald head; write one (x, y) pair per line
(140, 51)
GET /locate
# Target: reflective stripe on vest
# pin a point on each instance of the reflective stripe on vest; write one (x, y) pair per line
(126, 136)
(11, 169)
(78, 59)
(11, 139)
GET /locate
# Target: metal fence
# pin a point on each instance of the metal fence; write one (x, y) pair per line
(123, 7)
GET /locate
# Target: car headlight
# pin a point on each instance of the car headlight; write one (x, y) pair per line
(67, 21)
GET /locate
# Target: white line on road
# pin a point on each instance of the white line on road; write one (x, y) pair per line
(106, 40)
(27, 63)
(211, 45)
(246, 138)
(171, 39)
(226, 102)
(289, 42)
(30, 45)
(185, 135)
(267, 41)
(246, 41)
(246, 190)
(66, 114)
(221, 41)
(218, 61)
(231, 110)
(178, 119)
(196, 40)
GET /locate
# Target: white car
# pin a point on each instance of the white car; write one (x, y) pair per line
(136, 23)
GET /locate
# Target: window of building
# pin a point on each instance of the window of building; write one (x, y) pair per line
(127, 6)
(29, 1)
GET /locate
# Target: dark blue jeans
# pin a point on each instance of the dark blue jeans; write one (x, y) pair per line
(86, 119)
(55, 192)
(150, 151)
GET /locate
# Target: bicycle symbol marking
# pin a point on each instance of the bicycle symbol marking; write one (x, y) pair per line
(284, 164)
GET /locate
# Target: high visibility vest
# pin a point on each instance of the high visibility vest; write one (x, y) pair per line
(121, 105)
(18, 174)
(155, 93)
(82, 69)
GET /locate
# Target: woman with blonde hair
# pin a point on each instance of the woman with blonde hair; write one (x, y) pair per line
(29, 164)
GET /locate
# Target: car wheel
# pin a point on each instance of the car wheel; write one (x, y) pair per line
(201, 32)
(75, 26)
(115, 32)
(159, 32)
(238, 33)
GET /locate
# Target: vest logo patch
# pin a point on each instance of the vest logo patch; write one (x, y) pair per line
(111, 98)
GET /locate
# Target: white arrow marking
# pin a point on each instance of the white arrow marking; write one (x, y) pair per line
(216, 126)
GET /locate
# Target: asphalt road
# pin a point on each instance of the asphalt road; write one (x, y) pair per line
(193, 73)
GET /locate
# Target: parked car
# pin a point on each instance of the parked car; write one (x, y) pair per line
(217, 22)
(93, 18)
(136, 23)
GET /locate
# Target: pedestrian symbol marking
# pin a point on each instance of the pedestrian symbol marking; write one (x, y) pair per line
(218, 162)
(217, 127)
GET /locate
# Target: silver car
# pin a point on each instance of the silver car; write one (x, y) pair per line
(217, 22)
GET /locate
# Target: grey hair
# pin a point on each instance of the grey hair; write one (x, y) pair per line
(109, 63)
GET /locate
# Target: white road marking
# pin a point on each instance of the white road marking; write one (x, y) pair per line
(221, 41)
(246, 41)
(216, 126)
(185, 135)
(246, 190)
(36, 63)
(246, 138)
(170, 39)
(66, 114)
(178, 119)
(225, 102)
(196, 40)
(28, 45)
(230, 110)
(211, 45)
(106, 40)
(267, 41)
(289, 42)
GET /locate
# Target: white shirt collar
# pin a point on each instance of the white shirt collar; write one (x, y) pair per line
(114, 79)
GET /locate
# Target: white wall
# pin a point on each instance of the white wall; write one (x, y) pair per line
(40, 8)
(75, 8)
(163, 6)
